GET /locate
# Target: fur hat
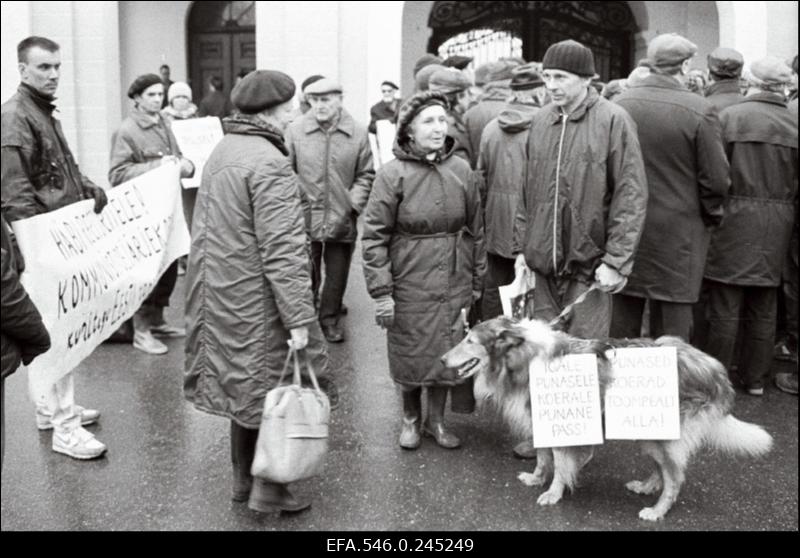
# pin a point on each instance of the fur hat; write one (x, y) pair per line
(179, 89)
(141, 83)
(569, 56)
(413, 106)
(262, 89)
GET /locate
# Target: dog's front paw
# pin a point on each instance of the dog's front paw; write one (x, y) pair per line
(642, 487)
(650, 514)
(531, 479)
(548, 498)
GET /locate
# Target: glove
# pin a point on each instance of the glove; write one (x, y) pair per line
(299, 338)
(384, 311)
(100, 198)
(609, 279)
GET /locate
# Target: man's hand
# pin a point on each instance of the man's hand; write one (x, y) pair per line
(299, 338)
(187, 168)
(384, 311)
(609, 279)
(100, 198)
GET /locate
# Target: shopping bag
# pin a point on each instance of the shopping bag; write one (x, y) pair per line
(293, 438)
(517, 298)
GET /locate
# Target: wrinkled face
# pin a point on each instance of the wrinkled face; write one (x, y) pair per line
(180, 102)
(282, 115)
(387, 93)
(428, 130)
(566, 89)
(151, 98)
(325, 107)
(41, 70)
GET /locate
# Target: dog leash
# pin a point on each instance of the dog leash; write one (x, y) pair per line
(574, 303)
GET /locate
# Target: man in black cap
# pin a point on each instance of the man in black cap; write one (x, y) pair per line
(40, 175)
(583, 201)
(386, 108)
(687, 177)
(724, 73)
(331, 154)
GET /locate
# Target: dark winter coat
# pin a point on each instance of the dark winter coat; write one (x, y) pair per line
(477, 117)
(215, 103)
(382, 111)
(458, 131)
(722, 94)
(423, 245)
(248, 280)
(39, 173)
(335, 171)
(23, 335)
(501, 164)
(687, 177)
(761, 142)
(585, 191)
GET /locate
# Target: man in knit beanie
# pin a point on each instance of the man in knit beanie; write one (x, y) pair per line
(583, 201)
(687, 178)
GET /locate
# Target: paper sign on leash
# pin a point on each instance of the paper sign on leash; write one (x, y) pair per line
(197, 138)
(642, 399)
(565, 402)
(517, 298)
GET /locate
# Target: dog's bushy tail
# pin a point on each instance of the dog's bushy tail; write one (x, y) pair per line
(737, 437)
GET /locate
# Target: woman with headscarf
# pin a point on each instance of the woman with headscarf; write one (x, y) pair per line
(424, 260)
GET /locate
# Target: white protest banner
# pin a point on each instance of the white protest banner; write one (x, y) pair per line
(197, 138)
(386, 132)
(376, 154)
(565, 402)
(88, 273)
(516, 298)
(642, 399)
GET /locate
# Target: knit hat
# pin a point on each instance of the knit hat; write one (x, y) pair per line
(769, 71)
(449, 80)
(669, 49)
(569, 56)
(323, 86)
(424, 75)
(426, 60)
(179, 89)
(309, 80)
(262, 89)
(725, 63)
(141, 83)
(525, 77)
(458, 62)
(413, 106)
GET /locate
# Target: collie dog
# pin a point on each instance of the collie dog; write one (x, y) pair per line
(497, 352)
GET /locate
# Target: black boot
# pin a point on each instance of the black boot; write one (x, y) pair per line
(412, 417)
(270, 497)
(243, 449)
(434, 426)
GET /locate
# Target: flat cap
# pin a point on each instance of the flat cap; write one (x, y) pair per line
(526, 77)
(449, 80)
(458, 62)
(669, 49)
(262, 89)
(141, 83)
(391, 84)
(725, 63)
(424, 76)
(770, 71)
(500, 70)
(426, 60)
(323, 86)
(309, 80)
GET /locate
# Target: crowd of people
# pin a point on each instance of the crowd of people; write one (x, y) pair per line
(670, 194)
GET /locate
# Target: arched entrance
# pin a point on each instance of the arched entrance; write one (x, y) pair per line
(222, 42)
(608, 28)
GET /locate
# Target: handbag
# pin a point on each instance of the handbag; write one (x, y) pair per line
(293, 438)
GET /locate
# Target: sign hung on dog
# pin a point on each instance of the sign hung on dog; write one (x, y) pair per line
(642, 399)
(565, 402)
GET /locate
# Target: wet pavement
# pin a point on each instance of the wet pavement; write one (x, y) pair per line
(168, 465)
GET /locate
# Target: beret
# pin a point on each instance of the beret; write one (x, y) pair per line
(424, 75)
(458, 62)
(413, 106)
(670, 49)
(141, 83)
(770, 71)
(526, 77)
(390, 84)
(449, 80)
(262, 89)
(323, 86)
(725, 62)
(426, 60)
(309, 80)
(179, 89)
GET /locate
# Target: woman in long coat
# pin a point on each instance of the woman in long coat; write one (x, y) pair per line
(423, 259)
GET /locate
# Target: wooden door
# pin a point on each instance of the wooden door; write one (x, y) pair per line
(243, 55)
(211, 56)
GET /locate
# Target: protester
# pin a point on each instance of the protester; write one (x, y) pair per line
(455, 87)
(696, 81)
(748, 250)
(724, 73)
(304, 106)
(215, 102)
(687, 177)
(584, 197)
(164, 71)
(248, 285)
(23, 334)
(386, 108)
(144, 142)
(331, 155)
(423, 77)
(40, 175)
(423, 260)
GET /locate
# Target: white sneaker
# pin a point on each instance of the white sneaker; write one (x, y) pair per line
(43, 417)
(144, 341)
(79, 443)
